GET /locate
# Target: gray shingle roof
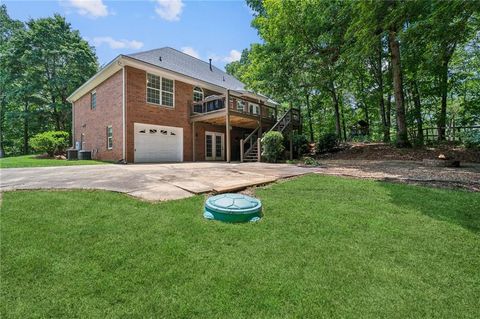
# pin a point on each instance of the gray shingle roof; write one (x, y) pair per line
(182, 63)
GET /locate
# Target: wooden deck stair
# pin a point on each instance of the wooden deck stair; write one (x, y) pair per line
(252, 154)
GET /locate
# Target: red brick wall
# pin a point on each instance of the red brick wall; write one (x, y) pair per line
(93, 123)
(139, 111)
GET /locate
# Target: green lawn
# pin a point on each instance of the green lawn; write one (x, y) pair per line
(33, 161)
(327, 247)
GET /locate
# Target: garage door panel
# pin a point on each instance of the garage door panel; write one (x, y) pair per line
(155, 143)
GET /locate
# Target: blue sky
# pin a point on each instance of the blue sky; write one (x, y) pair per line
(206, 29)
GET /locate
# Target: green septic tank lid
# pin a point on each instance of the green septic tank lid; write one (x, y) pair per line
(233, 208)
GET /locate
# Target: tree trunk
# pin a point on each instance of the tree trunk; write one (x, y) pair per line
(338, 128)
(25, 128)
(402, 134)
(389, 114)
(381, 101)
(56, 113)
(418, 112)
(343, 121)
(442, 117)
(309, 113)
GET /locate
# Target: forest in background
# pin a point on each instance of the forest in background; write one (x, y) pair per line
(42, 62)
(394, 68)
(386, 69)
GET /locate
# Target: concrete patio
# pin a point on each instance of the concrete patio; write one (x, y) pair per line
(154, 182)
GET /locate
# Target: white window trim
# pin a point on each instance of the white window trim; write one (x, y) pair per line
(161, 90)
(255, 107)
(109, 138)
(91, 94)
(203, 93)
(243, 106)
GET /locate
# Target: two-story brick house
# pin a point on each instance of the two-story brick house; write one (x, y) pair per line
(164, 106)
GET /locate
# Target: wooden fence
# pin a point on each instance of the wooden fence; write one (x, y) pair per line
(453, 134)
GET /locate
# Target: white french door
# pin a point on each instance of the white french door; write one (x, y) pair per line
(214, 146)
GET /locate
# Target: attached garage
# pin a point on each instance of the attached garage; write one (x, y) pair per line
(156, 143)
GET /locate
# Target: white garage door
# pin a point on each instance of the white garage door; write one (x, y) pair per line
(155, 143)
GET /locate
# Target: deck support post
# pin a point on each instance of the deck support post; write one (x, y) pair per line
(259, 145)
(227, 126)
(241, 150)
(193, 141)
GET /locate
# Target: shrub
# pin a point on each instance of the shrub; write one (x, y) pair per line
(310, 161)
(272, 146)
(471, 139)
(50, 142)
(327, 142)
(300, 144)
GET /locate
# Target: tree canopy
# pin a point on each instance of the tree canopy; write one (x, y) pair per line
(398, 66)
(41, 63)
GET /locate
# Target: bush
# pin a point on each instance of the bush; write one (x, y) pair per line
(300, 144)
(50, 142)
(272, 146)
(471, 139)
(327, 142)
(310, 161)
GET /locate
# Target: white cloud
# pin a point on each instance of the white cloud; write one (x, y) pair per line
(234, 56)
(91, 8)
(191, 51)
(117, 44)
(169, 10)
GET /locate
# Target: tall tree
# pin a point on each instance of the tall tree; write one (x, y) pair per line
(8, 27)
(448, 26)
(41, 63)
(64, 60)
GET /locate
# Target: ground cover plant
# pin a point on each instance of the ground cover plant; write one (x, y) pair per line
(326, 247)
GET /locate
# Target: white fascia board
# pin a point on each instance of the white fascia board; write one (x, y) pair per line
(107, 71)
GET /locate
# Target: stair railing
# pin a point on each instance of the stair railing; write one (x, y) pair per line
(249, 139)
(285, 120)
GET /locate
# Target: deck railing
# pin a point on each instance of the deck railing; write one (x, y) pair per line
(211, 103)
(217, 102)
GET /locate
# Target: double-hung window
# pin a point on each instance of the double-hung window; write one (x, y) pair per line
(160, 90)
(109, 137)
(240, 105)
(93, 100)
(153, 89)
(167, 92)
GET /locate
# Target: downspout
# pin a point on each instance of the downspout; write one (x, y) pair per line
(123, 117)
(73, 124)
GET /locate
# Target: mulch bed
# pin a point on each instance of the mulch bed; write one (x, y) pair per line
(382, 151)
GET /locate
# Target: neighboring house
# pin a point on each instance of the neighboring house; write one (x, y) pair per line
(165, 106)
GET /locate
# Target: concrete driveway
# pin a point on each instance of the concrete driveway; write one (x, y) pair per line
(150, 181)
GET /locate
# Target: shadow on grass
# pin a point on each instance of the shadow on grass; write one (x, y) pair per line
(453, 206)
